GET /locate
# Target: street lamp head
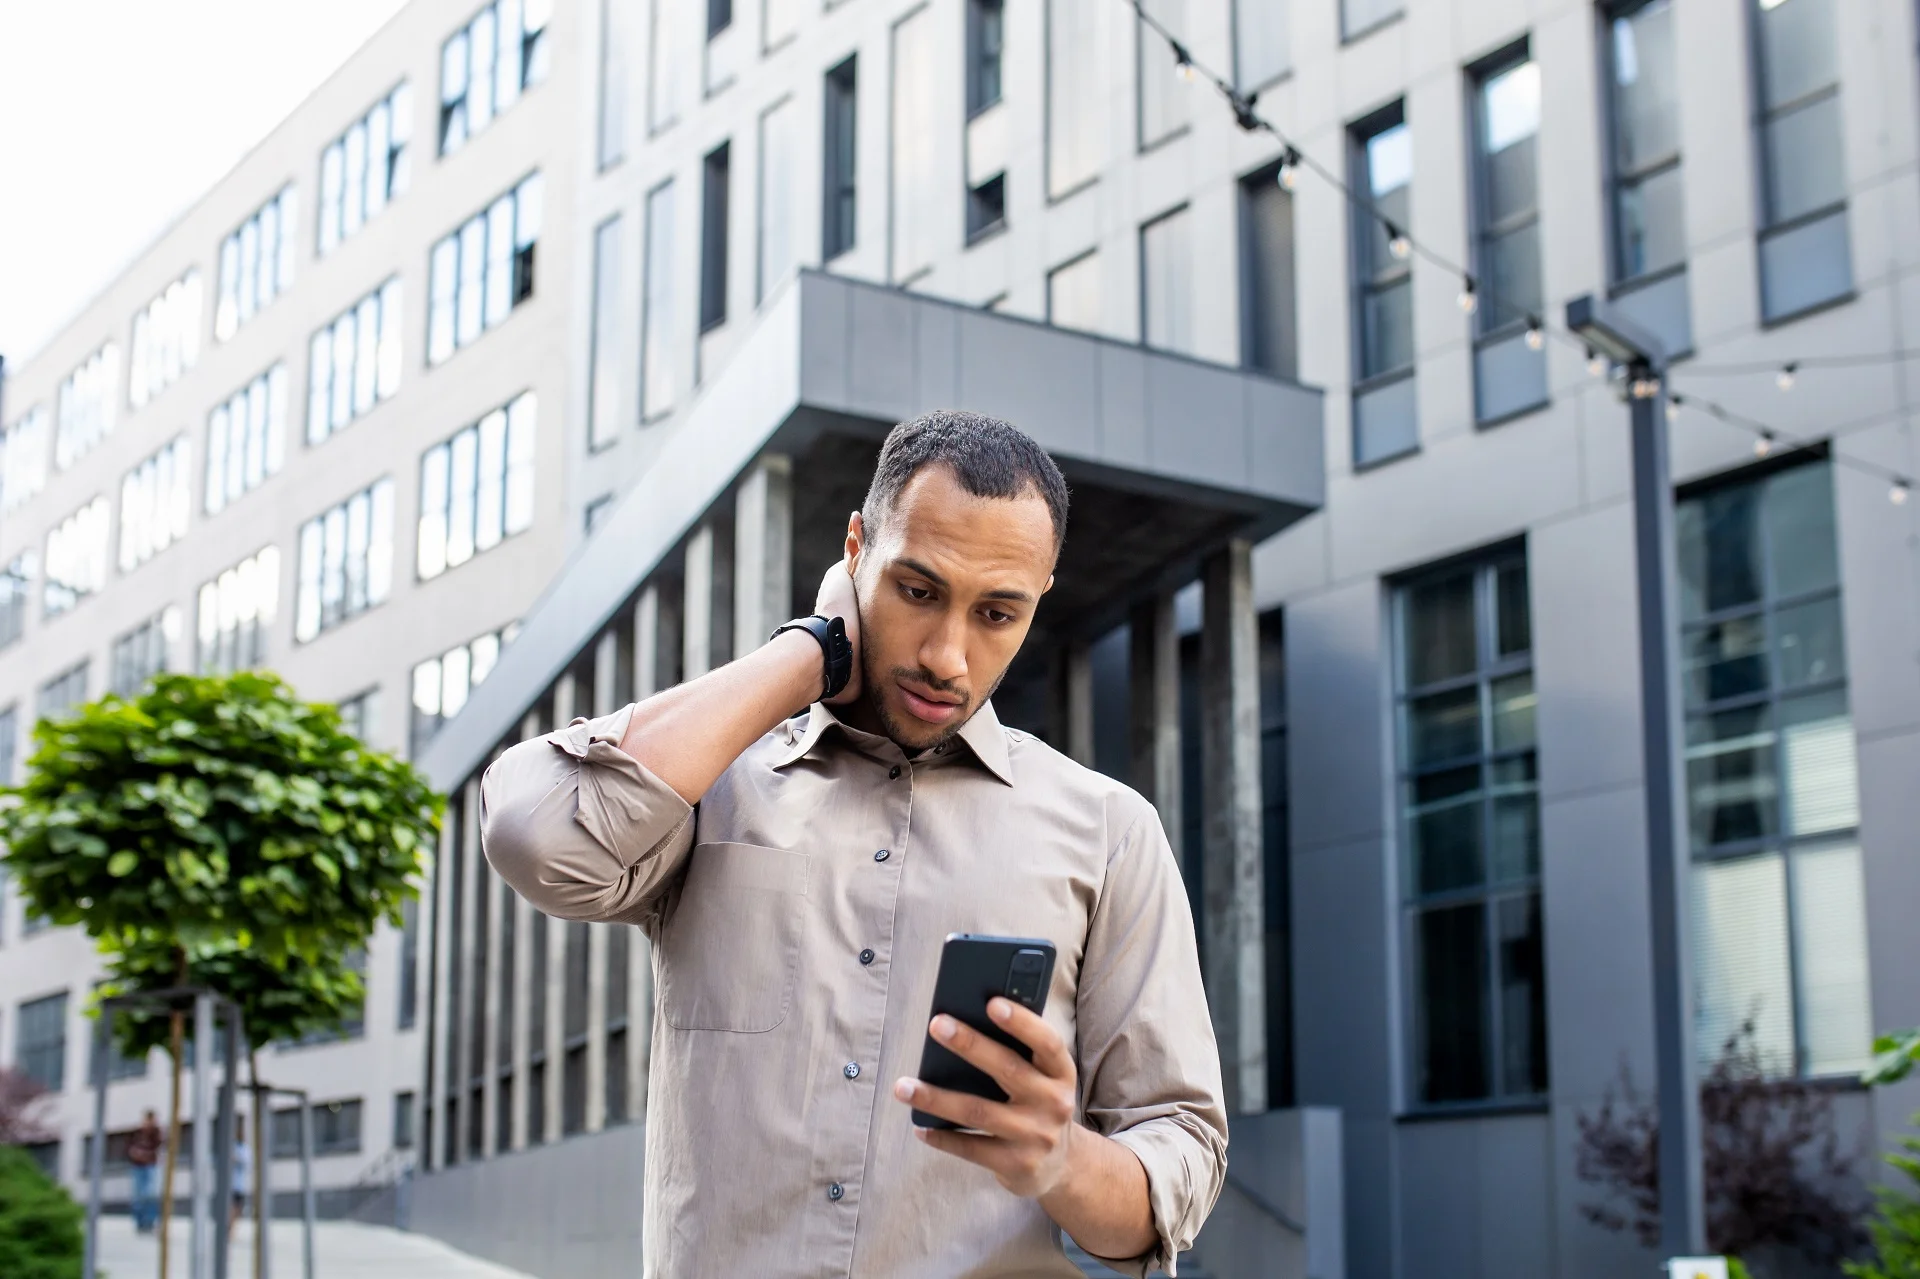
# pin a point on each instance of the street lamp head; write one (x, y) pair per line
(1607, 331)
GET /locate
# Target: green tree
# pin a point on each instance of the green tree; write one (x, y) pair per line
(39, 1222)
(1896, 1228)
(209, 816)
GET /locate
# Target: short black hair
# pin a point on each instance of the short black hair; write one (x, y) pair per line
(989, 457)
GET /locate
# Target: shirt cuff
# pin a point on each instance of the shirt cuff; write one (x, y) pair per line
(1162, 1151)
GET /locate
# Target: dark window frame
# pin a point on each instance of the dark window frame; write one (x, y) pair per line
(840, 158)
(986, 52)
(716, 181)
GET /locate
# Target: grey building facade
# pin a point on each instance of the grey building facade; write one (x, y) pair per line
(1358, 582)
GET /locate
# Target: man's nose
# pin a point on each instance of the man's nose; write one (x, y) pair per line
(944, 653)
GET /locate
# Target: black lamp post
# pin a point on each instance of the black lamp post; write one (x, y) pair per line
(1644, 357)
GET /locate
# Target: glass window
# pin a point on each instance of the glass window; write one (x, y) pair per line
(441, 685)
(16, 588)
(85, 414)
(614, 52)
(1357, 17)
(656, 320)
(1166, 282)
(608, 345)
(671, 53)
(155, 500)
(1164, 101)
(715, 192)
(25, 450)
(1077, 111)
(62, 693)
(1772, 775)
(1648, 222)
(1470, 816)
(1804, 254)
(481, 271)
(1510, 362)
(76, 557)
(345, 379)
(246, 437)
(780, 20)
(1385, 421)
(476, 488)
(778, 146)
(141, 653)
(166, 339)
(1261, 43)
(1074, 295)
(403, 1118)
(1269, 320)
(986, 37)
(256, 263)
(487, 64)
(363, 170)
(236, 613)
(346, 561)
(40, 1041)
(9, 748)
(840, 161)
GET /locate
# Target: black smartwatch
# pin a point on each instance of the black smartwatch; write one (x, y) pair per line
(831, 633)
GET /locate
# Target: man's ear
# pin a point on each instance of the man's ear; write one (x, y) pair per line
(1048, 586)
(856, 536)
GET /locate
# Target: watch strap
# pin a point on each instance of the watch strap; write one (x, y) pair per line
(836, 650)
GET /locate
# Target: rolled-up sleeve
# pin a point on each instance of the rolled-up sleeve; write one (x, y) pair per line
(1149, 1066)
(580, 828)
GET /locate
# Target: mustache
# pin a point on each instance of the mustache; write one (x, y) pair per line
(923, 676)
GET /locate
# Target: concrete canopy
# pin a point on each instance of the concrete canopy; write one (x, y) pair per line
(1168, 457)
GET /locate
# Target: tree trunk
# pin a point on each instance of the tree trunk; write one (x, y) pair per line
(262, 1152)
(178, 1034)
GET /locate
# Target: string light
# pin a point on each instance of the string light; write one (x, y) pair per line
(1402, 246)
(1674, 401)
(1290, 169)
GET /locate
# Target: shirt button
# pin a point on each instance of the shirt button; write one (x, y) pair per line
(880, 854)
(835, 1191)
(893, 774)
(866, 956)
(851, 1070)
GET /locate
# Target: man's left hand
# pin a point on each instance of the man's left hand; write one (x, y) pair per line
(1028, 1138)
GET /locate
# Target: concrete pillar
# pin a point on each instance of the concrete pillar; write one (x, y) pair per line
(442, 1023)
(521, 1032)
(1153, 653)
(656, 625)
(1232, 868)
(500, 899)
(1071, 703)
(606, 657)
(639, 1022)
(467, 952)
(762, 551)
(555, 1031)
(696, 613)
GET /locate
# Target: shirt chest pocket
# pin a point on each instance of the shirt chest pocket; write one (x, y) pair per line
(730, 951)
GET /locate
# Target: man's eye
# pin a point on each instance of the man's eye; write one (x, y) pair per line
(917, 592)
(998, 618)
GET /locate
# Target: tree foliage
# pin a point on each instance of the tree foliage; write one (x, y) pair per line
(1896, 1227)
(212, 809)
(39, 1222)
(1775, 1176)
(1894, 1057)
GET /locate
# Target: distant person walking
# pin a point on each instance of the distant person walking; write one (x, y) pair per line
(143, 1153)
(242, 1172)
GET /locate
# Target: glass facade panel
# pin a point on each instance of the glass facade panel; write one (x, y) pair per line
(657, 332)
(840, 161)
(1076, 107)
(481, 271)
(1074, 294)
(1166, 282)
(914, 188)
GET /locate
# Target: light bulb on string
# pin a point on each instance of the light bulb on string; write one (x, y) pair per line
(1596, 363)
(1764, 445)
(1290, 169)
(1898, 493)
(1469, 299)
(1184, 63)
(1398, 244)
(1784, 378)
(1536, 337)
(1673, 407)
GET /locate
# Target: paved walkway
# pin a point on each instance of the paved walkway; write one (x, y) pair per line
(342, 1250)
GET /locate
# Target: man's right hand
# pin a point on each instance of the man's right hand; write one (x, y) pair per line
(837, 598)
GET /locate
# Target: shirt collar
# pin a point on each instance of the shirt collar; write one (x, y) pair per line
(983, 735)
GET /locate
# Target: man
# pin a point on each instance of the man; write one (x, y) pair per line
(797, 872)
(242, 1172)
(143, 1154)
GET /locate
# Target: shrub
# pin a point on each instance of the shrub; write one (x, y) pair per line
(39, 1222)
(1896, 1230)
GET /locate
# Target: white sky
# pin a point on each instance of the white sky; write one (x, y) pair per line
(115, 115)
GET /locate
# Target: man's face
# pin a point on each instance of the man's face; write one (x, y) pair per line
(947, 586)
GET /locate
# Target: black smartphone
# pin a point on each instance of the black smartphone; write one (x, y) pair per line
(973, 969)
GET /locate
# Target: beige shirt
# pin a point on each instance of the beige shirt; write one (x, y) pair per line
(797, 917)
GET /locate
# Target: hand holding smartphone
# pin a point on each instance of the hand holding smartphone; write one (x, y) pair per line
(974, 969)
